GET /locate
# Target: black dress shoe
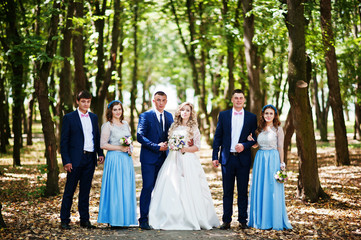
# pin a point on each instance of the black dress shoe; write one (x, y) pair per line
(65, 226)
(225, 226)
(145, 226)
(87, 224)
(243, 226)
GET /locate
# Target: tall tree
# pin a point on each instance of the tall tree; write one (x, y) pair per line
(111, 63)
(133, 91)
(309, 187)
(322, 107)
(252, 58)
(12, 45)
(65, 84)
(81, 81)
(342, 154)
(41, 88)
(2, 115)
(230, 39)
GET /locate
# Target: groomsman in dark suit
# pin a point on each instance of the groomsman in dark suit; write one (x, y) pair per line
(80, 146)
(152, 134)
(232, 130)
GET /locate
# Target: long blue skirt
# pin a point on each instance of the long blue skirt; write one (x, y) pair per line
(118, 204)
(267, 196)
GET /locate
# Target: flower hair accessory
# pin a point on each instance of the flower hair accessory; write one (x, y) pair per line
(271, 106)
(114, 102)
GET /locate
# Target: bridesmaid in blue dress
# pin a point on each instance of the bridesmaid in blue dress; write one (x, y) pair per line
(118, 206)
(267, 196)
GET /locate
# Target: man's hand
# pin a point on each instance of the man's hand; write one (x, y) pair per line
(239, 147)
(163, 146)
(68, 167)
(101, 159)
(215, 163)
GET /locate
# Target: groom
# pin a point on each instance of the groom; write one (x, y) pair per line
(80, 148)
(233, 127)
(152, 134)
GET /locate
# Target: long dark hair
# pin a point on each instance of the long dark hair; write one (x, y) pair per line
(109, 114)
(262, 122)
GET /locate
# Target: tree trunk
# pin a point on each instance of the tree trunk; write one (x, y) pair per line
(65, 101)
(121, 58)
(288, 129)
(78, 50)
(252, 59)
(342, 154)
(230, 48)
(2, 222)
(2, 116)
(358, 86)
(133, 91)
(103, 90)
(16, 60)
(358, 110)
(29, 137)
(203, 100)
(309, 187)
(41, 88)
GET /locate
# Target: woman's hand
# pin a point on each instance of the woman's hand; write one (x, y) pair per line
(183, 150)
(124, 148)
(250, 138)
(283, 165)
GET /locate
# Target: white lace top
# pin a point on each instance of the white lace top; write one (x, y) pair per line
(271, 139)
(112, 134)
(182, 130)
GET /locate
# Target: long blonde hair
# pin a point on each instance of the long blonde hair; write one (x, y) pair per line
(192, 124)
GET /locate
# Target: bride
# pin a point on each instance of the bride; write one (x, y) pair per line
(181, 198)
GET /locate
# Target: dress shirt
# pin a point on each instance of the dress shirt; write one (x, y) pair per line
(237, 125)
(86, 123)
(158, 116)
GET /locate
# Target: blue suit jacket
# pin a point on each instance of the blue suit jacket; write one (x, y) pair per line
(149, 135)
(72, 138)
(222, 137)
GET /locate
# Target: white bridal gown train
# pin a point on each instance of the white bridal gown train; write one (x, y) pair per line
(181, 198)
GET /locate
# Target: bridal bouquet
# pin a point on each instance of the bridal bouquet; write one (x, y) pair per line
(127, 141)
(176, 142)
(281, 176)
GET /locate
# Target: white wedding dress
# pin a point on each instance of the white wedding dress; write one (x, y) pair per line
(181, 199)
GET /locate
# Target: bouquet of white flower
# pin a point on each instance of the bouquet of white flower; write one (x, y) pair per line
(176, 142)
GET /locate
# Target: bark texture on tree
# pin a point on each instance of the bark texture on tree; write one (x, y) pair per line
(12, 42)
(2, 116)
(309, 187)
(2, 222)
(80, 78)
(252, 59)
(288, 129)
(111, 63)
(133, 91)
(41, 88)
(341, 143)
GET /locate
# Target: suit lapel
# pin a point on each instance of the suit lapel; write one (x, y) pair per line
(245, 120)
(92, 120)
(229, 124)
(155, 119)
(77, 120)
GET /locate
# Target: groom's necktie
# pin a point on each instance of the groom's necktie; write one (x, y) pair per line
(161, 122)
